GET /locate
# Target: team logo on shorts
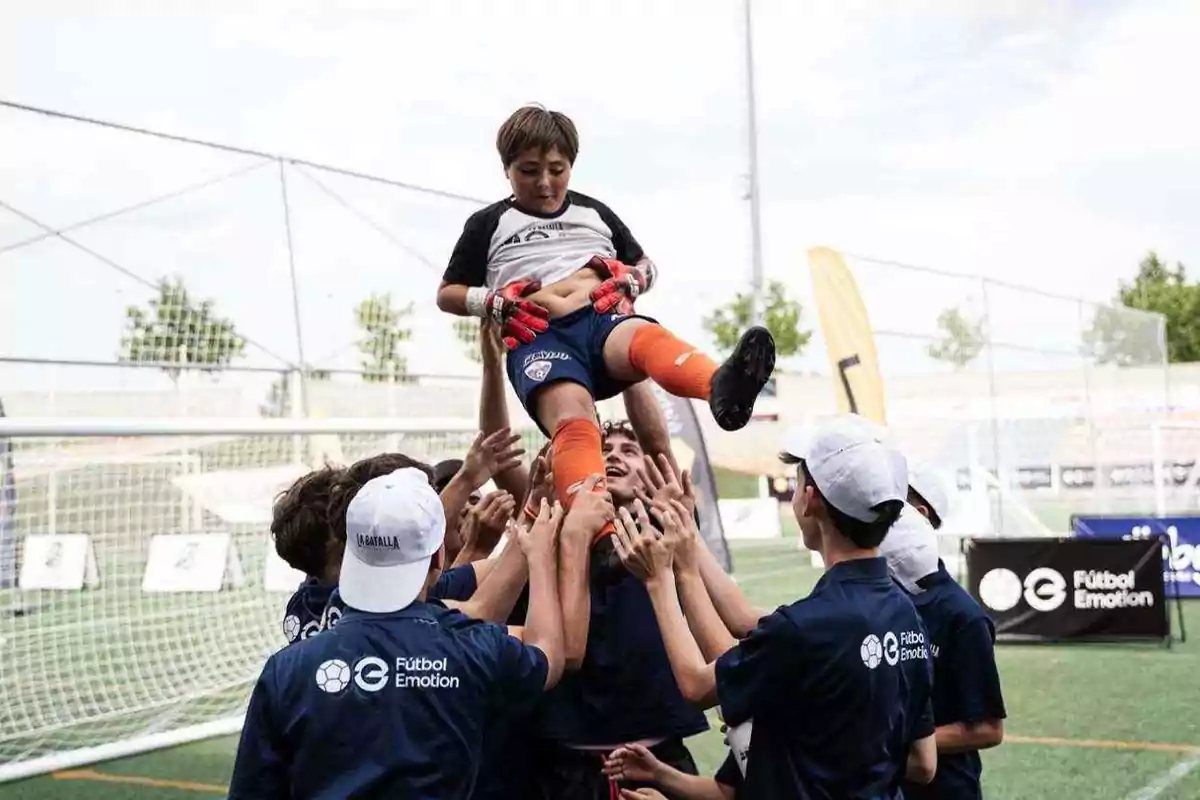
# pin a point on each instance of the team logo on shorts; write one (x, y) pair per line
(538, 370)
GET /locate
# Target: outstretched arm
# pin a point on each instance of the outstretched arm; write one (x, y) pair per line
(493, 406)
(648, 422)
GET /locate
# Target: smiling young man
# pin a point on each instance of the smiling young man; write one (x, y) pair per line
(559, 272)
(618, 688)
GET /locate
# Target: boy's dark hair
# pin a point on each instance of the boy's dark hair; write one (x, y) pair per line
(536, 126)
(355, 477)
(916, 499)
(299, 522)
(864, 535)
(444, 471)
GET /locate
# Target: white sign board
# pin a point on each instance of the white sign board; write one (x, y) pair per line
(278, 575)
(59, 561)
(756, 518)
(192, 562)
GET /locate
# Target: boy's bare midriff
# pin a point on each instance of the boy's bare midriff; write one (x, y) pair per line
(568, 295)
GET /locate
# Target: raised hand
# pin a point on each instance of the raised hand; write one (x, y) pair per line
(643, 552)
(662, 484)
(490, 518)
(590, 509)
(680, 531)
(540, 539)
(492, 454)
(541, 486)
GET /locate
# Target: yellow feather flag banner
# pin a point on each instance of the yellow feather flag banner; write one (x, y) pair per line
(849, 339)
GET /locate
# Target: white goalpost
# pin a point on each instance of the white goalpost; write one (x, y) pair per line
(149, 594)
(1175, 448)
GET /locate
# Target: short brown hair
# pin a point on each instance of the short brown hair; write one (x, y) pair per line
(355, 477)
(536, 126)
(619, 428)
(299, 522)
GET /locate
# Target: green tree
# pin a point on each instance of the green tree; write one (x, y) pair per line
(781, 316)
(962, 339)
(1119, 337)
(279, 396)
(466, 330)
(178, 330)
(383, 328)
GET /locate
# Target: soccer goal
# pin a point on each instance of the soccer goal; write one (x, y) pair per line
(148, 593)
(1175, 449)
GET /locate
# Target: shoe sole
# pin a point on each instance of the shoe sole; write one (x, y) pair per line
(746, 372)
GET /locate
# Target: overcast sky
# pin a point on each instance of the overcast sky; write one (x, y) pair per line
(1047, 143)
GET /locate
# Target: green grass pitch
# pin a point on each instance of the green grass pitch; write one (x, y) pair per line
(1084, 721)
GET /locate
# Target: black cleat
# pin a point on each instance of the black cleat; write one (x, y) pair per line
(738, 382)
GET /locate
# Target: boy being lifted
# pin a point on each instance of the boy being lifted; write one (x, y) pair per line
(559, 273)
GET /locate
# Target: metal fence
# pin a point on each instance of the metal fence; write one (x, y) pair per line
(1035, 400)
(1046, 399)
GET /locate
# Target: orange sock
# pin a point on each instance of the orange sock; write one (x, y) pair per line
(575, 453)
(671, 362)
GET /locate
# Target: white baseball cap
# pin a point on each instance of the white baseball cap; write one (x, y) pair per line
(851, 462)
(911, 549)
(394, 526)
(927, 483)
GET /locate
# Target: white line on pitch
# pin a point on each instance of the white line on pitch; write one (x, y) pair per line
(1168, 779)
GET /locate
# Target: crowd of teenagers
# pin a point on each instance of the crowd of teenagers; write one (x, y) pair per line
(555, 627)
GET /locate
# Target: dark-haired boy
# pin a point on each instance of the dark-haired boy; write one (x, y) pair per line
(303, 539)
(559, 272)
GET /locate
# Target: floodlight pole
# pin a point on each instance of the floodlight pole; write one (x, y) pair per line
(756, 265)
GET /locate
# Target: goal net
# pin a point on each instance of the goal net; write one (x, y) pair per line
(146, 594)
(1174, 470)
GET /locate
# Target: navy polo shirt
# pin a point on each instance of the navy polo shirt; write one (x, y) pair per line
(966, 683)
(305, 610)
(453, 584)
(625, 690)
(838, 686)
(383, 705)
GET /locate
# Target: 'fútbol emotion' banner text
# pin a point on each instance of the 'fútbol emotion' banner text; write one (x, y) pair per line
(1065, 589)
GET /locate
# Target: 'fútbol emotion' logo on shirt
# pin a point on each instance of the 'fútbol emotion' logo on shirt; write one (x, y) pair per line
(372, 674)
(907, 646)
(1044, 589)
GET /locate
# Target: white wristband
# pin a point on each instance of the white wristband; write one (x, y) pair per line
(650, 273)
(477, 301)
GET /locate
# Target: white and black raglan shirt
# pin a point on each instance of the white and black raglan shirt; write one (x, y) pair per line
(504, 243)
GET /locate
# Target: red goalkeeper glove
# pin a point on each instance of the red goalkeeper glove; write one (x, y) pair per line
(621, 286)
(520, 320)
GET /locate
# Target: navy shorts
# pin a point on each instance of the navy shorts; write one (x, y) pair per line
(571, 350)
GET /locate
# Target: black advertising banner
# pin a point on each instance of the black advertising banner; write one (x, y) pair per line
(687, 443)
(1070, 589)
